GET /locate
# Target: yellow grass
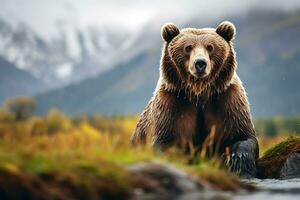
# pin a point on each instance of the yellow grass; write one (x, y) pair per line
(86, 150)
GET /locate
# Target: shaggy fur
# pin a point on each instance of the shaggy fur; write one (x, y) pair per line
(187, 107)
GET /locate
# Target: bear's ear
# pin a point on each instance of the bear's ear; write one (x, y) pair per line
(169, 31)
(226, 30)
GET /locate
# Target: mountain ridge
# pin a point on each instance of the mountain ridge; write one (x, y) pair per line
(260, 67)
(15, 82)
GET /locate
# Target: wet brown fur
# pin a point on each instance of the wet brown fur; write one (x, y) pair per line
(183, 108)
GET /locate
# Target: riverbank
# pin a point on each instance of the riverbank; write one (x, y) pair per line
(55, 157)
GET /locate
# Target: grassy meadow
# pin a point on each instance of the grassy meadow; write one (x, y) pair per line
(59, 157)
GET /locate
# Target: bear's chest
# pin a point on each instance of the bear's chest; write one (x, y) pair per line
(211, 126)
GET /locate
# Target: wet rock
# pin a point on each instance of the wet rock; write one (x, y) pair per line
(281, 161)
(291, 167)
(163, 181)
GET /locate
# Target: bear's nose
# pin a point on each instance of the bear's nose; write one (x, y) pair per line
(200, 65)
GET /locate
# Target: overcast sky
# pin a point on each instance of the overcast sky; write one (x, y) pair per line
(44, 15)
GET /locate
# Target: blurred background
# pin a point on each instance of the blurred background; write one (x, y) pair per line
(75, 74)
(103, 56)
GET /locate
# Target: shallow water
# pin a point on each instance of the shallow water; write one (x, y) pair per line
(268, 189)
(273, 189)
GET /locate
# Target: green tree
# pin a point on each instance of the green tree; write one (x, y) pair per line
(271, 129)
(21, 107)
(57, 121)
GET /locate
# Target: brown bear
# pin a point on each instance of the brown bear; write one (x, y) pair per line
(198, 93)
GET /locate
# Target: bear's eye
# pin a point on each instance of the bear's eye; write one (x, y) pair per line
(210, 48)
(188, 49)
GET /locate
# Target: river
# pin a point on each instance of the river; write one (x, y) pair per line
(268, 189)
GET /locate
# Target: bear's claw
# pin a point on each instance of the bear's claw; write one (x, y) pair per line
(242, 164)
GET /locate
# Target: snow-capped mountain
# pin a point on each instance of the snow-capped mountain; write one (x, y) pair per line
(71, 55)
(267, 47)
(65, 41)
(103, 56)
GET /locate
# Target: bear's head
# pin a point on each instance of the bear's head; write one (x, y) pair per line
(201, 60)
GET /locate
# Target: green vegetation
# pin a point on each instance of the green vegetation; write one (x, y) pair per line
(273, 159)
(277, 126)
(22, 107)
(58, 157)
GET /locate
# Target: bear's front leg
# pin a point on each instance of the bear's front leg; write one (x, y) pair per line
(242, 158)
(239, 133)
(174, 120)
(140, 133)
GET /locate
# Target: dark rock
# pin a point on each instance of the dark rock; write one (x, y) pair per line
(162, 181)
(281, 161)
(291, 168)
(165, 182)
